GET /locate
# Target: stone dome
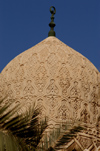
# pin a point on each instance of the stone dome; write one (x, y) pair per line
(59, 79)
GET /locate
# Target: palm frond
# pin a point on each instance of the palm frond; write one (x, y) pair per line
(60, 137)
(7, 111)
(8, 142)
(27, 131)
(25, 128)
(68, 136)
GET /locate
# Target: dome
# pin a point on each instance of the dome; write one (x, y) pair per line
(59, 80)
(54, 76)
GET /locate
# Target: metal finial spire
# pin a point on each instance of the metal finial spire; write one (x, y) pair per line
(52, 24)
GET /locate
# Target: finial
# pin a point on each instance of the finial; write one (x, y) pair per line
(52, 24)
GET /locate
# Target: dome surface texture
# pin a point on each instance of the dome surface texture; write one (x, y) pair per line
(60, 80)
(54, 75)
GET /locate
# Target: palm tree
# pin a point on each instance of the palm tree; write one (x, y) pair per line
(67, 136)
(26, 133)
(58, 138)
(18, 132)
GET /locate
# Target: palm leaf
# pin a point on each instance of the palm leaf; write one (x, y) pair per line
(68, 136)
(8, 142)
(25, 128)
(59, 136)
(28, 132)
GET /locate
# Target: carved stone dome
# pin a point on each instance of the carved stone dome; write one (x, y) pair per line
(63, 82)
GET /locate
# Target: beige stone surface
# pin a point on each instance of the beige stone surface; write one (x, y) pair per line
(55, 76)
(64, 83)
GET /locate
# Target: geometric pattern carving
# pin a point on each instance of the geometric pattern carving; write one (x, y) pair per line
(63, 111)
(40, 78)
(64, 79)
(28, 90)
(85, 116)
(52, 88)
(63, 82)
(85, 141)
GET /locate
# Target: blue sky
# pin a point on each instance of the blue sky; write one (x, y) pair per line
(24, 23)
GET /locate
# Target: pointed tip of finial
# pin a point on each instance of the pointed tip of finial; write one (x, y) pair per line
(52, 24)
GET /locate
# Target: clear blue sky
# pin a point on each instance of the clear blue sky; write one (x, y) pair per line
(24, 23)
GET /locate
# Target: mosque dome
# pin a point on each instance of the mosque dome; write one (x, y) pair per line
(64, 83)
(59, 79)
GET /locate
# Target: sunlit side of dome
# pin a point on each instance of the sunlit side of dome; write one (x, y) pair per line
(56, 77)
(62, 82)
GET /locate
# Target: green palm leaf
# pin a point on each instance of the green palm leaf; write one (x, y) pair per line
(26, 133)
(60, 137)
(8, 142)
(24, 128)
(67, 136)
